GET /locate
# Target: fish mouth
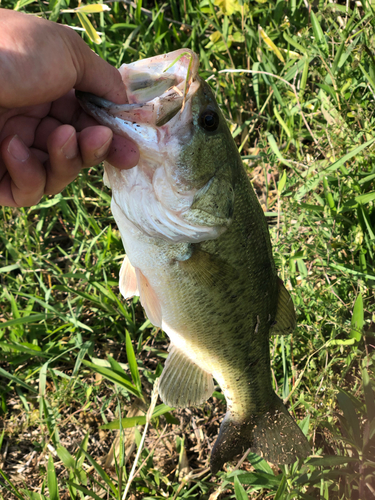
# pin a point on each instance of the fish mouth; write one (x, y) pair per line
(158, 89)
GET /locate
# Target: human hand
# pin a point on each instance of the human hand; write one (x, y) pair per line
(45, 136)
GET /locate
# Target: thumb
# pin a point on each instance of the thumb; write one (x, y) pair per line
(47, 61)
(93, 73)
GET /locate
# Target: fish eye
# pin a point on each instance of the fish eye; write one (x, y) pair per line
(209, 120)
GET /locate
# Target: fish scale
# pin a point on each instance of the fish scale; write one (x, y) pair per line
(200, 257)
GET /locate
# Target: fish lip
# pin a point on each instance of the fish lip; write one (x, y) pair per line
(161, 112)
(93, 104)
(101, 103)
(161, 108)
(89, 98)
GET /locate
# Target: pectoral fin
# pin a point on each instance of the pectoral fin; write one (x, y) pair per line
(128, 280)
(183, 383)
(133, 282)
(149, 299)
(106, 179)
(285, 321)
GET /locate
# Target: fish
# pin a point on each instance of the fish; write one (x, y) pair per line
(198, 253)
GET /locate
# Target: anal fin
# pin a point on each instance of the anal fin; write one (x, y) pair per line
(183, 383)
(285, 321)
(128, 280)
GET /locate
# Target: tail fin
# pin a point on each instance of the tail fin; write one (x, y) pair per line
(274, 436)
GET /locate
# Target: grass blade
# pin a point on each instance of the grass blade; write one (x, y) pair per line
(66, 458)
(313, 183)
(84, 490)
(351, 417)
(318, 33)
(52, 480)
(89, 28)
(239, 490)
(101, 472)
(281, 489)
(17, 380)
(117, 378)
(12, 488)
(357, 319)
(275, 149)
(82, 353)
(32, 318)
(128, 422)
(133, 363)
(369, 395)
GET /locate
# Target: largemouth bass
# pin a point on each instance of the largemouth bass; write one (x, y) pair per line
(198, 254)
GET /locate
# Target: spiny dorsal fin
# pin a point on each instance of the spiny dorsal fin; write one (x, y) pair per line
(285, 321)
(149, 299)
(128, 280)
(207, 269)
(183, 383)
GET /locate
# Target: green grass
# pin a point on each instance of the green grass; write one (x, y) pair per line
(59, 262)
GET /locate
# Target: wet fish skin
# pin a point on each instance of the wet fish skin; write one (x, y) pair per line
(214, 291)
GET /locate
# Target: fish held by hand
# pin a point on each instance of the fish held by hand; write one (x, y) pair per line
(199, 254)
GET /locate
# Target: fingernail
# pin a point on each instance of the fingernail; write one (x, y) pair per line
(99, 153)
(70, 148)
(18, 149)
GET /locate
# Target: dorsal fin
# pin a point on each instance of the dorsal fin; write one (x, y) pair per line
(285, 321)
(183, 383)
(128, 280)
